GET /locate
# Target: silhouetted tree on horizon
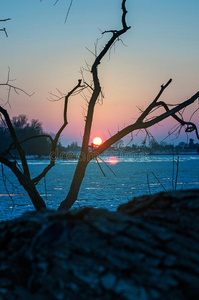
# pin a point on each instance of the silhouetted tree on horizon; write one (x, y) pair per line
(144, 121)
(25, 130)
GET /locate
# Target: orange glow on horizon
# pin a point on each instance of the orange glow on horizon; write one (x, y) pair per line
(97, 141)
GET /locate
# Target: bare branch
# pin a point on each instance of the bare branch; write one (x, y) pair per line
(124, 15)
(71, 2)
(11, 87)
(68, 11)
(97, 87)
(190, 125)
(151, 106)
(13, 146)
(193, 114)
(100, 167)
(176, 128)
(107, 166)
(82, 163)
(4, 20)
(172, 111)
(143, 125)
(115, 36)
(26, 183)
(57, 136)
(94, 54)
(65, 109)
(159, 181)
(4, 29)
(5, 185)
(16, 142)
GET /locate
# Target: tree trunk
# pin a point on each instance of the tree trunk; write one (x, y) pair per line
(27, 184)
(35, 197)
(30, 188)
(75, 185)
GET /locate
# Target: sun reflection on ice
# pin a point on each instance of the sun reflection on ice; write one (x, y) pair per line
(113, 160)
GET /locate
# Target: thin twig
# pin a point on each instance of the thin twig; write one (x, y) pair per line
(159, 182)
(148, 183)
(100, 167)
(107, 166)
(173, 170)
(71, 2)
(5, 185)
(45, 187)
(177, 170)
(14, 88)
(4, 29)
(57, 136)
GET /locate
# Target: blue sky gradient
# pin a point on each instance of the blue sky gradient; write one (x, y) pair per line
(44, 54)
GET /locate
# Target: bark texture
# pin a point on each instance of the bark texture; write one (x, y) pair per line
(148, 249)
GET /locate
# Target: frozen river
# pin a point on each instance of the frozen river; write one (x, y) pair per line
(134, 176)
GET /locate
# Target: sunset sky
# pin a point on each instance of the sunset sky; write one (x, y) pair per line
(45, 54)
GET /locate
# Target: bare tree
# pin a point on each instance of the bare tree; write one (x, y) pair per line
(144, 121)
(23, 175)
(87, 154)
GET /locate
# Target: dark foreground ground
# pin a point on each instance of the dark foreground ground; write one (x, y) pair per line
(148, 249)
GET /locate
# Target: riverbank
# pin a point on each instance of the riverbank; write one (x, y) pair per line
(147, 249)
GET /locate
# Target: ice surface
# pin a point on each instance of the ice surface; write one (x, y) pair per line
(97, 190)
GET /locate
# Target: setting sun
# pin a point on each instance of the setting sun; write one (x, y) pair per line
(97, 141)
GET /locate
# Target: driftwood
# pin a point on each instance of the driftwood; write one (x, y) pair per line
(148, 249)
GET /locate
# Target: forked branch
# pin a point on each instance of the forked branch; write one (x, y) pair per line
(95, 92)
(140, 124)
(16, 141)
(26, 183)
(12, 87)
(190, 125)
(4, 29)
(97, 88)
(57, 136)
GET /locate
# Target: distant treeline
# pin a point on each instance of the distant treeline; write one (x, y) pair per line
(25, 130)
(153, 146)
(41, 145)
